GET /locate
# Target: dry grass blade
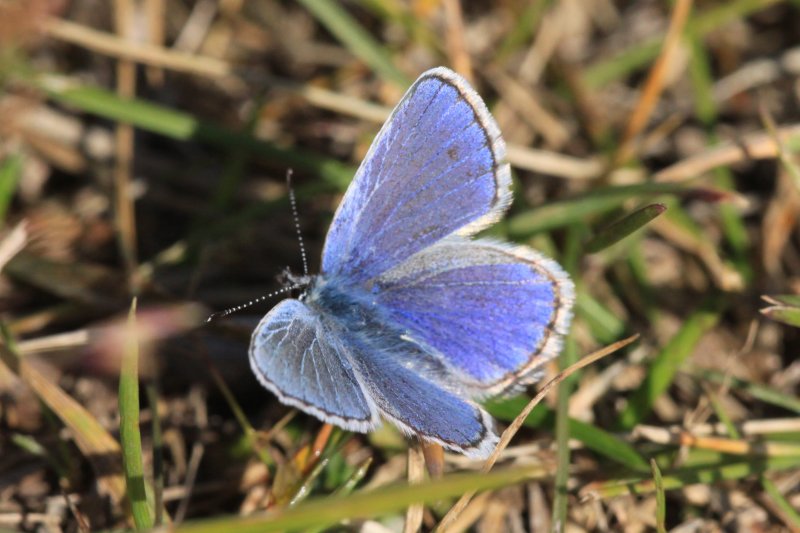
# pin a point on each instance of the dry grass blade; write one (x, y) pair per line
(124, 214)
(512, 429)
(148, 54)
(654, 84)
(723, 274)
(783, 210)
(92, 439)
(13, 243)
(456, 40)
(552, 163)
(524, 102)
(416, 474)
(752, 447)
(759, 145)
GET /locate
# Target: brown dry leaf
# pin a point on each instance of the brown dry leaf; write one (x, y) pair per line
(780, 222)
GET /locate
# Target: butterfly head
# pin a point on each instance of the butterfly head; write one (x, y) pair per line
(291, 281)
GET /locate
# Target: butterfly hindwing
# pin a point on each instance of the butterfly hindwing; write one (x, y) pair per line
(419, 406)
(296, 355)
(436, 167)
(494, 312)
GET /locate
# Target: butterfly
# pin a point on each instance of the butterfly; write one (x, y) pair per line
(411, 320)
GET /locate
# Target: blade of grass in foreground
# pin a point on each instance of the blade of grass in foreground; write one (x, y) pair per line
(129, 435)
(624, 227)
(332, 510)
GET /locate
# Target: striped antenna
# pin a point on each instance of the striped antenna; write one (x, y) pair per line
(299, 282)
(231, 310)
(296, 217)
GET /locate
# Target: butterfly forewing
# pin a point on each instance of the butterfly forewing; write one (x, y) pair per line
(436, 167)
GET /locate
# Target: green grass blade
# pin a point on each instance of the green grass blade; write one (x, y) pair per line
(624, 227)
(708, 474)
(183, 126)
(507, 409)
(130, 438)
(789, 512)
(598, 440)
(247, 428)
(756, 390)
(722, 414)
(344, 27)
(158, 456)
(663, 368)
(787, 315)
(606, 327)
(565, 388)
(608, 445)
(785, 299)
(332, 510)
(624, 63)
(10, 174)
(661, 501)
(579, 208)
(348, 487)
(352, 482)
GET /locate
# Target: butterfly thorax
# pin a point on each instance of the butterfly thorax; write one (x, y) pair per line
(350, 306)
(358, 317)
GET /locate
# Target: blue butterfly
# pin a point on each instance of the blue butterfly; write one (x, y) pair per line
(411, 320)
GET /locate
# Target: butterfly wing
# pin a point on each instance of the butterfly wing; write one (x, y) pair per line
(436, 167)
(298, 357)
(316, 365)
(494, 312)
(420, 406)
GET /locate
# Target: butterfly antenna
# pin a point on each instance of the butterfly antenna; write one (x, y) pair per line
(293, 202)
(231, 310)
